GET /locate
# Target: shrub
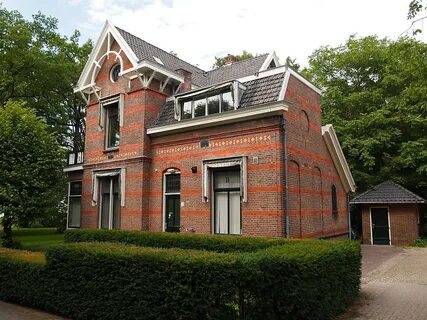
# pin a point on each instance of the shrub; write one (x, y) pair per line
(296, 280)
(217, 243)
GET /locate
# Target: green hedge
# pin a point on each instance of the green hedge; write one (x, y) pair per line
(217, 243)
(296, 280)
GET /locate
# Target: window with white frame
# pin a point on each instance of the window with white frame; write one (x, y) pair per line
(74, 204)
(111, 112)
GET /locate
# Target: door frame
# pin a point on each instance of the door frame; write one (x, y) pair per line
(165, 173)
(213, 206)
(370, 222)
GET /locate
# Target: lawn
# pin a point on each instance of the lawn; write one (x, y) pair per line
(37, 239)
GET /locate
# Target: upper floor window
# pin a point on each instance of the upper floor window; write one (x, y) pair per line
(207, 104)
(113, 126)
(114, 73)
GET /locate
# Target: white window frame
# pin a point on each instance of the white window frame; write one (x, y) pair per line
(169, 172)
(103, 123)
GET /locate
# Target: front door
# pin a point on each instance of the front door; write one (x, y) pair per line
(172, 213)
(227, 202)
(380, 226)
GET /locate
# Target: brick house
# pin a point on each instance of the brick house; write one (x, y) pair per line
(171, 147)
(390, 214)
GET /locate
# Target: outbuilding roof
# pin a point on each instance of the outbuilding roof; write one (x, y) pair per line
(387, 192)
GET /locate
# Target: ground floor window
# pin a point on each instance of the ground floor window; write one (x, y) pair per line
(172, 200)
(109, 209)
(227, 213)
(74, 204)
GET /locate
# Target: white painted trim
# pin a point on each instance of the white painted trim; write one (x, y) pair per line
(272, 56)
(338, 157)
(73, 168)
(221, 118)
(108, 30)
(389, 222)
(305, 81)
(284, 85)
(263, 74)
(169, 193)
(157, 68)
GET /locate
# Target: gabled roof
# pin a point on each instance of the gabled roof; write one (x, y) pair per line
(146, 51)
(387, 192)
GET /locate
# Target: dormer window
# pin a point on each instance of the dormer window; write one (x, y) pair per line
(210, 101)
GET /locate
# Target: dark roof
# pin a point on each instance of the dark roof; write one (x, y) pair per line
(258, 91)
(146, 51)
(236, 70)
(387, 192)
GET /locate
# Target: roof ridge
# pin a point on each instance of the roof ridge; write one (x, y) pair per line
(202, 71)
(237, 62)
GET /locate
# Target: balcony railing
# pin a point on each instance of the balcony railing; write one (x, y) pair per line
(75, 158)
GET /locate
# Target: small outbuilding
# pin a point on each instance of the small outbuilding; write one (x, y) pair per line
(390, 214)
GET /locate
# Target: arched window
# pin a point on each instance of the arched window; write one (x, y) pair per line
(334, 200)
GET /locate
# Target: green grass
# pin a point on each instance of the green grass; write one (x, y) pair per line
(421, 242)
(37, 239)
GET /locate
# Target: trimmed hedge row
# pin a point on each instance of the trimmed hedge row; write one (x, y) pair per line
(217, 243)
(296, 280)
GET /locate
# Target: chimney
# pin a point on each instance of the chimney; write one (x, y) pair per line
(230, 59)
(186, 86)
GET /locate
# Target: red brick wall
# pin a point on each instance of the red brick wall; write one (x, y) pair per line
(403, 223)
(311, 170)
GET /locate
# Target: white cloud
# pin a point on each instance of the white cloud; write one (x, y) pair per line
(199, 30)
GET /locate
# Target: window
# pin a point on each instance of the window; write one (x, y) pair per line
(113, 126)
(114, 73)
(172, 200)
(205, 105)
(334, 200)
(109, 210)
(74, 204)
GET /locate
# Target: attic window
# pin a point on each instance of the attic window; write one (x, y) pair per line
(114, 73)
(207, 104)
(158, 60)
(272, 65)
(217, 99)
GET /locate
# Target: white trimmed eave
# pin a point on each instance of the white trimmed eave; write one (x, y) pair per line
(108, 28)
(73, 168)
(234, 116)
(338, 157)
(146, 65)
(271, 57)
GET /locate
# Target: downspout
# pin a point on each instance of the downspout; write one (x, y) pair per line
(285, 147)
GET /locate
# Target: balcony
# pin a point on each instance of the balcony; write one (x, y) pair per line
(74, 161)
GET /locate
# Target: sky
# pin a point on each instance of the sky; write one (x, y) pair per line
(199, 31)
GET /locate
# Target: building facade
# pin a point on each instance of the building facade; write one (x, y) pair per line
(235, 150)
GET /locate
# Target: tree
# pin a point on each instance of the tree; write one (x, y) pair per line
(222, 61)
(415, 8)
(375, 96)
(39, 66)
(32, 181)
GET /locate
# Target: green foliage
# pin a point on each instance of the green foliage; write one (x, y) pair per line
(415, 7)
(376, 98)
(39, 66)
(38, 239)
(222, 61)
(297, 280)
(421, 243)
(32, 181)
(217, 243)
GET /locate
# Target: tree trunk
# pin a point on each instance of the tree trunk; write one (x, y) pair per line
(7, 232)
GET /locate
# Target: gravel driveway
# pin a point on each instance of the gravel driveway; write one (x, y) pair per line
(394, 284)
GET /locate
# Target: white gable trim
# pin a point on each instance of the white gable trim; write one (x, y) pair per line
(107, 31)
(305, 81)
(338, 157)
(271, 57)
